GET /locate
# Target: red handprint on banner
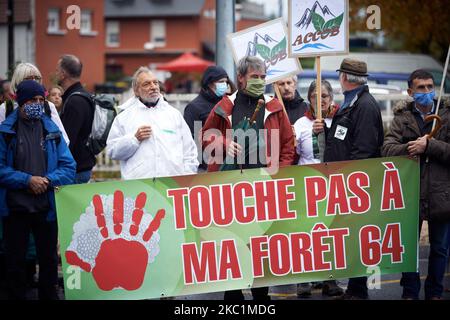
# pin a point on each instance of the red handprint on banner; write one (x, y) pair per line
(115, 243)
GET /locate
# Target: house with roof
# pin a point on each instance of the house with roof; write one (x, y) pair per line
(46, 29)
(23, 33)
(114, 37)
(151, 32)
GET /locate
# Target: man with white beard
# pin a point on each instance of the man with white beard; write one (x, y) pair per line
(151, 138)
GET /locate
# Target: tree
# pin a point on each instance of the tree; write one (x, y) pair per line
(419, 26)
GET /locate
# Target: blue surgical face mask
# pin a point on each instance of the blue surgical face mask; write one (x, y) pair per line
(34, 111)
(221, 88)
(424, 99)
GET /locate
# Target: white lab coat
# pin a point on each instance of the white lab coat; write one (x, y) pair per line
(54, 116)
(170, 151)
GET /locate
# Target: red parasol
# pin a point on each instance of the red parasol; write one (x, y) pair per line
(187, 62)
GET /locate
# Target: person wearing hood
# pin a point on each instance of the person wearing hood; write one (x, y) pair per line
(295, 105)
(214, 86)
(150, 137)
(34, 160)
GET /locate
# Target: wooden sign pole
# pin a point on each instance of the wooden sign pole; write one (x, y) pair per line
(280, 98)
(441, 91)
(318, 90)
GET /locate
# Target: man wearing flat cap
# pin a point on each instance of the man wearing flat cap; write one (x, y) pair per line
(34, 159)
(355, 133)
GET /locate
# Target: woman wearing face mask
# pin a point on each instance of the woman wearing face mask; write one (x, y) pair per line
(34, 159)
(28, 71)
(214, 87)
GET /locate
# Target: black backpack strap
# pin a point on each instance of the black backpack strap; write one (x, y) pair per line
(9, 107)
(47, 109)
(86, 95)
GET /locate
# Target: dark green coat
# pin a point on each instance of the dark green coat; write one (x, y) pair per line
(435, 175)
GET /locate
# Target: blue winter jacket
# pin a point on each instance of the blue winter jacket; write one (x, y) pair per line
(60, 164)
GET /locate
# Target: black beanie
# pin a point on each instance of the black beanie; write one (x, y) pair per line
(213, 73)
(28, 89)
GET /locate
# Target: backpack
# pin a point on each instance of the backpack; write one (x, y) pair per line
(104, 114)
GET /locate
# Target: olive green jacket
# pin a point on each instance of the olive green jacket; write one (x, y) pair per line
(435, 174)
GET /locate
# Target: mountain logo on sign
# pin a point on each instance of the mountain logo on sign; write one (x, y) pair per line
(251, 47)
(323, 28)
(269, 49)
(307, 17)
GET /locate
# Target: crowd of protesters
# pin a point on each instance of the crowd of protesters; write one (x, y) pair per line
(43, 145)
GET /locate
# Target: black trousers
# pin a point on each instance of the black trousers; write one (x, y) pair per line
(16, 232)
(259, 294)
(358, 287)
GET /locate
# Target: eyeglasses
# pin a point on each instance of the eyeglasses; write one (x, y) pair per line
(35, 78)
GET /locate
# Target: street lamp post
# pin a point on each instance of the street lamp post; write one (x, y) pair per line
(225, 24)
(10, 14)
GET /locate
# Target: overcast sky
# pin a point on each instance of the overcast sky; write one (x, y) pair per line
(272, 6)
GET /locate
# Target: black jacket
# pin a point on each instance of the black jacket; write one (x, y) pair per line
(77, 117)
(199, 108)
(295, 108)
(30, 157)
(357, 131)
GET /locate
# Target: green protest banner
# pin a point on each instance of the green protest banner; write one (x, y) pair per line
(230, 230)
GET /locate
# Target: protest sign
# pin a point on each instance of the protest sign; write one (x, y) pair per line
(318, 27)
(267, 41)
(229, 230)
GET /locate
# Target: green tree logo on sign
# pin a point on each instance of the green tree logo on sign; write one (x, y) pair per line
(325, 23)
(270, 55)
(320, 24)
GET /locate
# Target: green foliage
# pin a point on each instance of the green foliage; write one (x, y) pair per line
(279, 48)
(307, 63)
(333, 23)
(317, 21)
(408, 25)
(267, 54)
(320, 24)
(263, 51)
